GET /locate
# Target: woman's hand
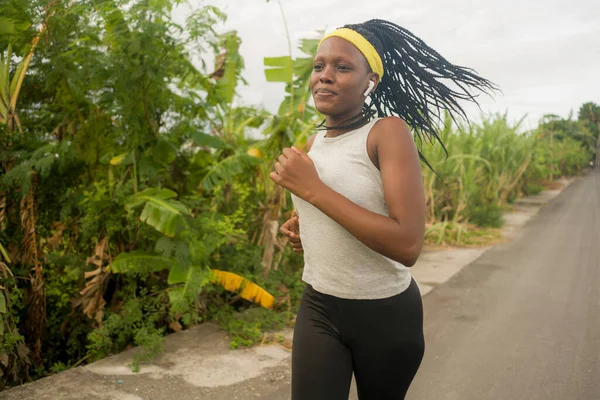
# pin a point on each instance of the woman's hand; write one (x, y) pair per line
(296, 172)
(291, 230)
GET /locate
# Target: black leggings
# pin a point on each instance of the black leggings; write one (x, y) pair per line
(381, 341)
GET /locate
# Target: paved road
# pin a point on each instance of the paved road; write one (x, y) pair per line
(523, 321)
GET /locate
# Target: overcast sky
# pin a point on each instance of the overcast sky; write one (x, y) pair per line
(544, 54)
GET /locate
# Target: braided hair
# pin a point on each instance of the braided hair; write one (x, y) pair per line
(411, 87)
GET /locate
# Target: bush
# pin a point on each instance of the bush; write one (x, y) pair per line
(486, 216)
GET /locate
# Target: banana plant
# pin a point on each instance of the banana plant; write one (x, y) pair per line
(4, 268)
(10, 88)
(294, 122)
(230, 121)
(184, 251)
(223, 148)
(218, 162)
(292, 126)
(160, 210)
(295, 73)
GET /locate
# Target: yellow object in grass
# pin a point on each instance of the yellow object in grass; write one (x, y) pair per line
(249, 291)
(255, 152)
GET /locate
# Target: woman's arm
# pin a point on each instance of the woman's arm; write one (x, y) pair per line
(309, 143)
(399, 236)
(291, 227)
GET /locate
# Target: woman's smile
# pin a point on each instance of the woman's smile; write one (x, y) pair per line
(322, 92)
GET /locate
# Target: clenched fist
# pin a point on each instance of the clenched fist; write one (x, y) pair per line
(291, 229)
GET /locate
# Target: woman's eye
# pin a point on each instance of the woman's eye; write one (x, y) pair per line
(318, 67)
(343, 68)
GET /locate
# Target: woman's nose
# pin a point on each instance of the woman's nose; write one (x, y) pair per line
(326, 75)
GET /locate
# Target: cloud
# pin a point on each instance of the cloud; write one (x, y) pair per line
(544, 54)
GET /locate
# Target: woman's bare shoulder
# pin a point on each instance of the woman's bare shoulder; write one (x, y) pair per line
(391, 131)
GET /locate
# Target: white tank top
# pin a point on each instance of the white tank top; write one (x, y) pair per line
(335, 262)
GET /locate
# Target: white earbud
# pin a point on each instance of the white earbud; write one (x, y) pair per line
(368, 91)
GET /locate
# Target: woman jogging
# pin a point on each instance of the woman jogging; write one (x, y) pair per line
(361, 209)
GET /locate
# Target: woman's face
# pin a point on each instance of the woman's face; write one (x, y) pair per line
(339, 79)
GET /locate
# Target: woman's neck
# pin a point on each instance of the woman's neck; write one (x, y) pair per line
(331, 121)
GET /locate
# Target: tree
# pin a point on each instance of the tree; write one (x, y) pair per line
(589, 117)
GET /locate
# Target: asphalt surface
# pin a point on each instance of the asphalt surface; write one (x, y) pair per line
(523, 321)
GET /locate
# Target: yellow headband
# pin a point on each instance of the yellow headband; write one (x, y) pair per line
(362, 44)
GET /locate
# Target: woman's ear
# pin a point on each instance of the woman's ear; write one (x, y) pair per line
(373, 82)
(369, 88)
(375, 78)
